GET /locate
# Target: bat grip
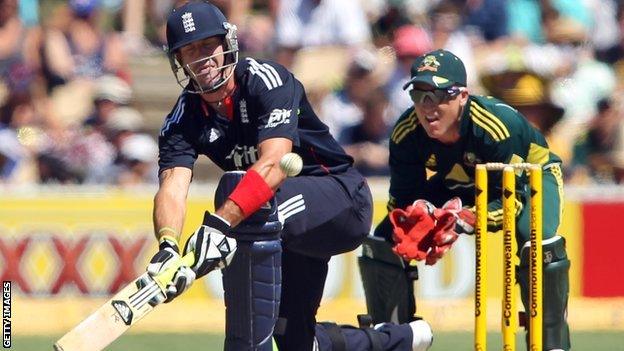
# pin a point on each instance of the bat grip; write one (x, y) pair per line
(165, 277)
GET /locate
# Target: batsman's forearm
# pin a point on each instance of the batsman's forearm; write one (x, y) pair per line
(169, 212)
(271, 152)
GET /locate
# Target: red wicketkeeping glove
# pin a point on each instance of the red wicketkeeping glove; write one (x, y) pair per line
(466, 219)
(451, 219)
(412, 230)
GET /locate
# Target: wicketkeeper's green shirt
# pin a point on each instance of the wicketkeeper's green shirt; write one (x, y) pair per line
(491, 131)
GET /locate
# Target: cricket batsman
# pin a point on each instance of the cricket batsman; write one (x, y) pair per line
(447, 132)
(275, 234)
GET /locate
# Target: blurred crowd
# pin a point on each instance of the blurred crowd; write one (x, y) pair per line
(68, 112)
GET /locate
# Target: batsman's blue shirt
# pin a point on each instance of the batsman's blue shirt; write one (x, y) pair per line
(269, 102)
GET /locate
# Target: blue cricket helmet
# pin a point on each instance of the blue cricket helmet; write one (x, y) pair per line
(193, 21)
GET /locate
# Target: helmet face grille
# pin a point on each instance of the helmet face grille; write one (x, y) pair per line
(190, 72)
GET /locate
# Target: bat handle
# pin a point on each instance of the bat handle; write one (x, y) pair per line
(165, 277)
(188, 259)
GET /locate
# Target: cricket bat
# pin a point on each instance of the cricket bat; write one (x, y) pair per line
(123, 310)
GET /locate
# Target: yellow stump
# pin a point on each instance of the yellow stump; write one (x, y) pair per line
(509, 318)
(535, 261)
(481, 201)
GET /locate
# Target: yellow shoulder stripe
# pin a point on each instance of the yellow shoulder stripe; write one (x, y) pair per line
(491, 119)
(404, 127)
(485, 126)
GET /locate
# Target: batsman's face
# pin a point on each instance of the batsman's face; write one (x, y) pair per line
(203, 61)
(439, 110)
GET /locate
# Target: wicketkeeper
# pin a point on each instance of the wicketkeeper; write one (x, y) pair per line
(445, 134)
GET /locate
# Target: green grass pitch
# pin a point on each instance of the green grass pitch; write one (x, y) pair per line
(594, 341)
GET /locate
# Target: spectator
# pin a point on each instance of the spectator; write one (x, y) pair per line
(18, 47)
(81, 158)
(255, 22)
(528, 93)
(605, 32)
(110, 93)
(447, 33)
(409, 42)
(585, 81)
(489, 17)
(136, 163)
(18, 110)
(123, 124)
(84, 155)
(29, 12)
(78, 49)
(309, 23)
(16, 166)
(393, 17)
(343, 107)
(527, 18)
(367, 141)
(598, 152)
(615, 52)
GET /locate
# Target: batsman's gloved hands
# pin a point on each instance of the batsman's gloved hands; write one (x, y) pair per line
(412, 230)
(210, 245)
(167, 255)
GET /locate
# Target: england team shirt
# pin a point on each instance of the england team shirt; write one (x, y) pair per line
(268, 102)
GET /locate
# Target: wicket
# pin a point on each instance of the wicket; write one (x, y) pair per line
(509, 320)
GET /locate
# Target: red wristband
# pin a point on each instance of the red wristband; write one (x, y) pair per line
(251, 193)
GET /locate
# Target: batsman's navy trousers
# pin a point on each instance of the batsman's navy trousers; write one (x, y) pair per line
(322, 216)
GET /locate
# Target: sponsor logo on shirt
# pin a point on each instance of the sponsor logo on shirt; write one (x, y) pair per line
(431, 162)
(277, 117)
(214, 135)
(243, 156)
(470, 159)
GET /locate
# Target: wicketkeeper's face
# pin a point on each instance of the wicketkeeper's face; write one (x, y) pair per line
(438, 110)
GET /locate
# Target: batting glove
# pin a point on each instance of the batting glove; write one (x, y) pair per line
(167, 255)
(210, 245)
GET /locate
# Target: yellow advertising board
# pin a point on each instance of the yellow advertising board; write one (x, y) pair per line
(65, 250)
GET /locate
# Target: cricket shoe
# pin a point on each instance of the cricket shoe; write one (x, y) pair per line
(422, 335)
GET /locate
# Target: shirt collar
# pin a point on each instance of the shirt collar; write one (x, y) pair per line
(465, 118)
